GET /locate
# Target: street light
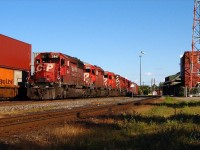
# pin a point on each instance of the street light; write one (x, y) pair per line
(141, 53)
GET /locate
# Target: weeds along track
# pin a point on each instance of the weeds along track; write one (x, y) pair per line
(23, 123)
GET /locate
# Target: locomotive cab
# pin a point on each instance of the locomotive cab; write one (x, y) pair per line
(110, 80)
(110, 83)
(46, 68)
(89, 75)
(46, 79)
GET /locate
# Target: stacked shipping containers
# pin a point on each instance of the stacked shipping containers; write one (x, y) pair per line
(14, 67)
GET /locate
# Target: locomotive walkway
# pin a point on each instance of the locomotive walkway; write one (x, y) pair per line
(11, 125)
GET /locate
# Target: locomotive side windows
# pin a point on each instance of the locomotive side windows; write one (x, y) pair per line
(105, 76)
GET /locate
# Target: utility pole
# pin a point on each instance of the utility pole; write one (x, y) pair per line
(140, 69)
(141, 53)
(151, 85)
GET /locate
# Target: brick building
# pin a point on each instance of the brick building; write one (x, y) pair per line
(179, 84)
(186, 70)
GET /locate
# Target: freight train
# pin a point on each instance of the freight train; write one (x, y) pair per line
(59, 76)
(56, 75)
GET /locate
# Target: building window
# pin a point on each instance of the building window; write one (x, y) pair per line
(198, 59)
(198, 72)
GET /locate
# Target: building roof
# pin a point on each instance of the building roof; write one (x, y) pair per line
(173, 80)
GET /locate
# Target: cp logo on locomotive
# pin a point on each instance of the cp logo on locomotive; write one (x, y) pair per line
(46, 67)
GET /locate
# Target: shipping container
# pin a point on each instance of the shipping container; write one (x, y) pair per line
(14, 54)
(7, 85)
(8, 92)
(12, 83)
(6, 77)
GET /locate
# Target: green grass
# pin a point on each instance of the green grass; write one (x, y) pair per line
(170, 100)
(173, 124)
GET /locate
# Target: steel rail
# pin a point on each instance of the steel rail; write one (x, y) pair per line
(13, 124)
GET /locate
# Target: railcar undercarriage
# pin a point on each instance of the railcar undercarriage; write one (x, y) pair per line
(62, 92)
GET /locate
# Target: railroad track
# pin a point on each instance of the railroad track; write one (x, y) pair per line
(15, 124)
(25, 102)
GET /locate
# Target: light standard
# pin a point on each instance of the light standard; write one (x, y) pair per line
(140, 68)
(141, 53)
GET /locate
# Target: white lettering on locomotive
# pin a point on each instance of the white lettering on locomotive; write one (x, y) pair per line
(86, 78)
(40, 67)
(49, 66)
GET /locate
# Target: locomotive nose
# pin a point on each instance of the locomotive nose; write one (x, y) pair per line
(45, 72)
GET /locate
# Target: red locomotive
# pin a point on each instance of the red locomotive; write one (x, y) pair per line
(60, 76)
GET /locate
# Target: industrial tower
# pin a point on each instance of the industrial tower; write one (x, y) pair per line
(195, 42)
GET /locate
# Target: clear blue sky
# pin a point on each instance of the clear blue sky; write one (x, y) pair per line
(107, 33)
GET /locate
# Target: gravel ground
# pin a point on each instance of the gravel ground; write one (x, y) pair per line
(55, 105)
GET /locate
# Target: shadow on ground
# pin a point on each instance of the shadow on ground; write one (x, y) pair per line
(100, 138)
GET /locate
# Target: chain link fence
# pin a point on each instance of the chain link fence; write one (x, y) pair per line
(195, 91)
(182, 91)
